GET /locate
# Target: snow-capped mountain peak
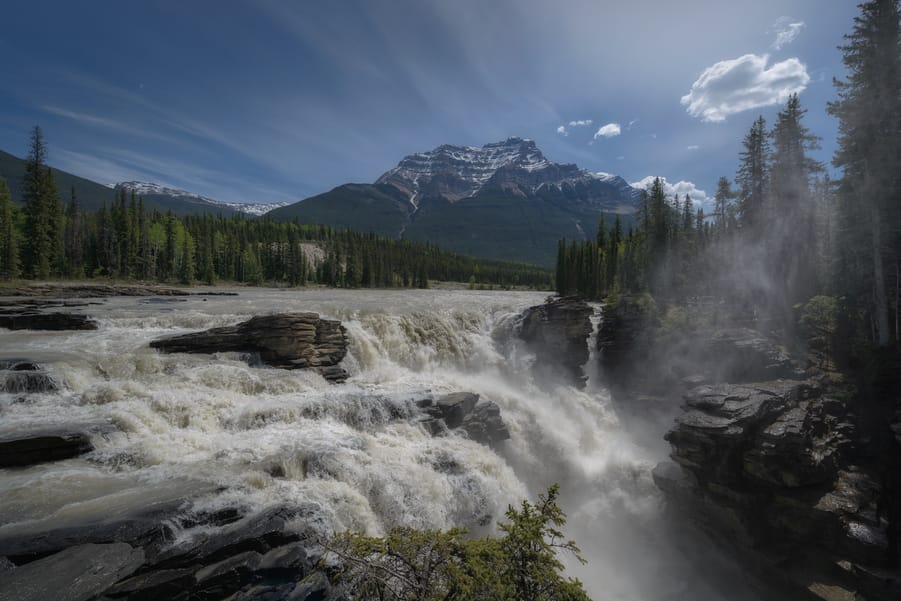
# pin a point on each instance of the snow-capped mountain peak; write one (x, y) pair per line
(515, 166)
(150, 189)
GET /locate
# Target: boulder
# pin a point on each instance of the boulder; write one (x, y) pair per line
(286, 341)
(557, 332)
(481, 421)
(484, 424)
(75, 574)
(37, 448)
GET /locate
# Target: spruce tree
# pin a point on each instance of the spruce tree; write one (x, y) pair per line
(792, 245)
(40, 221)
(9, 243)
(869, 113)
(752, 176)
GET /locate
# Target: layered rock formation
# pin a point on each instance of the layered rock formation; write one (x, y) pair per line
(480, 420)
(557, 332)
(286, 341)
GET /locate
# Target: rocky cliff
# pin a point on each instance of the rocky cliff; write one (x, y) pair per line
(773, 458)
(557, 332)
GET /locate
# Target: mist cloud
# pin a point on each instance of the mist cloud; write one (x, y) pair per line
(744, 83)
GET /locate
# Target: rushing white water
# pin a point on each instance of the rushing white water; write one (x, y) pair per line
(226, 434)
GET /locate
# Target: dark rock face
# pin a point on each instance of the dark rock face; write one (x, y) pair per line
(481, 421)
(770, 469)
(32, 320)
(558, 332)
(286, 341)
(76, 574)
(744, 355)
(253, 556)
(41, 448)
(625, 334)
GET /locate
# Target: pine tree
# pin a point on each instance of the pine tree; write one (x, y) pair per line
(869, 113)
(74, 234)
(721, 204)
(792, 245)
(752, 176)
(9, 243)
(41, 216)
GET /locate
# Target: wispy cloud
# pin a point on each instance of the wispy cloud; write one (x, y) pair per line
(562, 130)
(608, 131)
(786, 30)
(741, 84)
(692, 147)
(581, 123)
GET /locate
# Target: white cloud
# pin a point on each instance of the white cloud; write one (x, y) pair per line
(581, 123)
(681, 188)
(744, 83)
(608, 131)
(631, 123)
(786, 30)
(562, 131)
(692, 147)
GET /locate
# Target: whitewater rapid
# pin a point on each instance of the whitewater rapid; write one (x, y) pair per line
(225, 433)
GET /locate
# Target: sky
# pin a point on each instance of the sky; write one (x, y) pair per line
(277, 100)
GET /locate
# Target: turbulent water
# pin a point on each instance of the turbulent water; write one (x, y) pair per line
(225, 433)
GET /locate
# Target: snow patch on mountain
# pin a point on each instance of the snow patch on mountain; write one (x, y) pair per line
(152, 189)
(515, 165)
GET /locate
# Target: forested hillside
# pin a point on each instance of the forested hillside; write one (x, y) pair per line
(126, 240)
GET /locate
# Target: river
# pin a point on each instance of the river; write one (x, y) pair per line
(224, 433)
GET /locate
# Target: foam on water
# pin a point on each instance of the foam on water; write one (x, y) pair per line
(226, 434)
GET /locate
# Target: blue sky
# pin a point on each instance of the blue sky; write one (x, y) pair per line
(271, 100)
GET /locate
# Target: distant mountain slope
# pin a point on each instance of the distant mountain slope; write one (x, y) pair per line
(184, 202)
(91, 195)
(503, 200)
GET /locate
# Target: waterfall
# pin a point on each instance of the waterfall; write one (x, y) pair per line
(220, 432)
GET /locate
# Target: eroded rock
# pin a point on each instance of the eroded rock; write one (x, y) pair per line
(75, 574)
(285, 341)
(558, 332)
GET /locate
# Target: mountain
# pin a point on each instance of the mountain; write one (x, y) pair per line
(503, 200)
(92, 195)
(182, 201)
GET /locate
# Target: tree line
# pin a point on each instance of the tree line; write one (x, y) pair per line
(44, 240)
(783, 232)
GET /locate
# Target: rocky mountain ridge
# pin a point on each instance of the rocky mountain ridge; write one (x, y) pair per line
(149, 189)
(515, 165)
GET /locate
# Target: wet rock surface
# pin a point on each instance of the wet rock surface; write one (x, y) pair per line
(286, 341)
(78, 573)
(480, 420)
(557, 332)
(13, 319)
(270, 551)
(773, 471)
(42, 447)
